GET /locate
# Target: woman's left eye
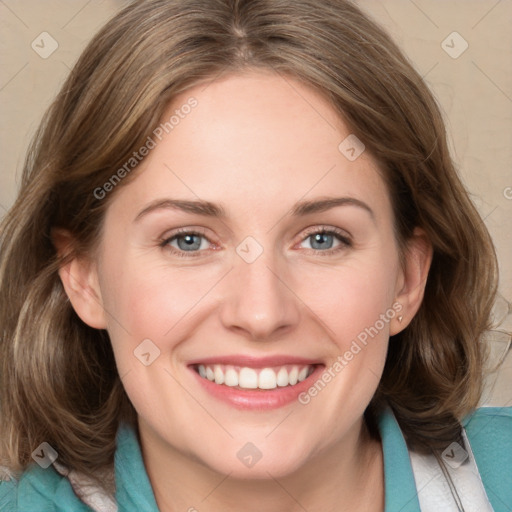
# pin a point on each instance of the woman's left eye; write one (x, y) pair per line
(190, 243)
(322, 240)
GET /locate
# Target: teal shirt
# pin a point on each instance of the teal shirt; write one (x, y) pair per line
(489, 430)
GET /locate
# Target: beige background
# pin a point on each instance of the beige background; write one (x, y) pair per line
(474, 89)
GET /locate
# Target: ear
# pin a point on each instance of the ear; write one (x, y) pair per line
(413, 279)
(80, 280)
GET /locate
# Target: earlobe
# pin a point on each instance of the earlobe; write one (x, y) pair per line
(411, 287)
(80, 281)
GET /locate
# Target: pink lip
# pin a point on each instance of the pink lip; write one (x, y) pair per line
(257, 399)
(256, 362)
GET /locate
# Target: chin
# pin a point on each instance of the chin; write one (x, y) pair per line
(257, 461)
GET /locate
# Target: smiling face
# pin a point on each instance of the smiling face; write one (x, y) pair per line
(266, 281)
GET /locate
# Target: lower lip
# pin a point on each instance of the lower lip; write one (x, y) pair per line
(258, 399)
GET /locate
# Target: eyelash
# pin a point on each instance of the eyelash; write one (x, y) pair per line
(340, 235)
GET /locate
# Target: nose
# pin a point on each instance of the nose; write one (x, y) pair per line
(258, 300)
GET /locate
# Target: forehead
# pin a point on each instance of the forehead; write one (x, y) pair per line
(253, 140)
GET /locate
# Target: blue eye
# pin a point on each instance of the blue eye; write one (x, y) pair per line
(191, 243)
(322, 240)
(187, 242)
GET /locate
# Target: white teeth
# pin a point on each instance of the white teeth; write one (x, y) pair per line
(250, 378)
(231, 377)
(303, 374)
(282, 377)
(292, 376)
(267, 379)
(219, 374)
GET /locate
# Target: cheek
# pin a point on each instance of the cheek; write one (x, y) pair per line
(148, 300)
(351, 298)
(354, 304)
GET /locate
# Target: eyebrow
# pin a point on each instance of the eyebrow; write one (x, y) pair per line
(209, 209)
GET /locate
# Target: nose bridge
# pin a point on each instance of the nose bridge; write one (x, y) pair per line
(259, 300)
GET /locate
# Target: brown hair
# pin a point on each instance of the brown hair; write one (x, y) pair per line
(58, 379)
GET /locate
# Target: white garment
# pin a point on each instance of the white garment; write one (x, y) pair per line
(434, 492)
(87, 490)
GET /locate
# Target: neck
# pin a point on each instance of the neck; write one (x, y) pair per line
(348, 476)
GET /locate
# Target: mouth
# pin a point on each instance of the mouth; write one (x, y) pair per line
(256, 384)
(255, 378)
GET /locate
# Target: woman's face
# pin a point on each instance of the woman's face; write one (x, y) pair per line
(258, 295)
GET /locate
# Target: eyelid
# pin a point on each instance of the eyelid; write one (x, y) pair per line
(186, 231)
(320, 228)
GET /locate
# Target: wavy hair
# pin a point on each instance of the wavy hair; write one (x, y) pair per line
(58, 378)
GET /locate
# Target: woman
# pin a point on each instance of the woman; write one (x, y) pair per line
(175, 337)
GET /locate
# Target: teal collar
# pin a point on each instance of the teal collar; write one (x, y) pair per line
(400, 486)
(133, 489)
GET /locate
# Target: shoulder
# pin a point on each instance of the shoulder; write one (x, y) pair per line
(489, 431)
(44, 490)
(8, 499)
(490, 411)
(492, 425)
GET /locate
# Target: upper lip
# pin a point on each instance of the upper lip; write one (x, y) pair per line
(255, 362)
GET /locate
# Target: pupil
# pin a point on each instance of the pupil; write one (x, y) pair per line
(320, 238)
(188, 241)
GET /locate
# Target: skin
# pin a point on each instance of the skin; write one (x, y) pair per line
(256, 144)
